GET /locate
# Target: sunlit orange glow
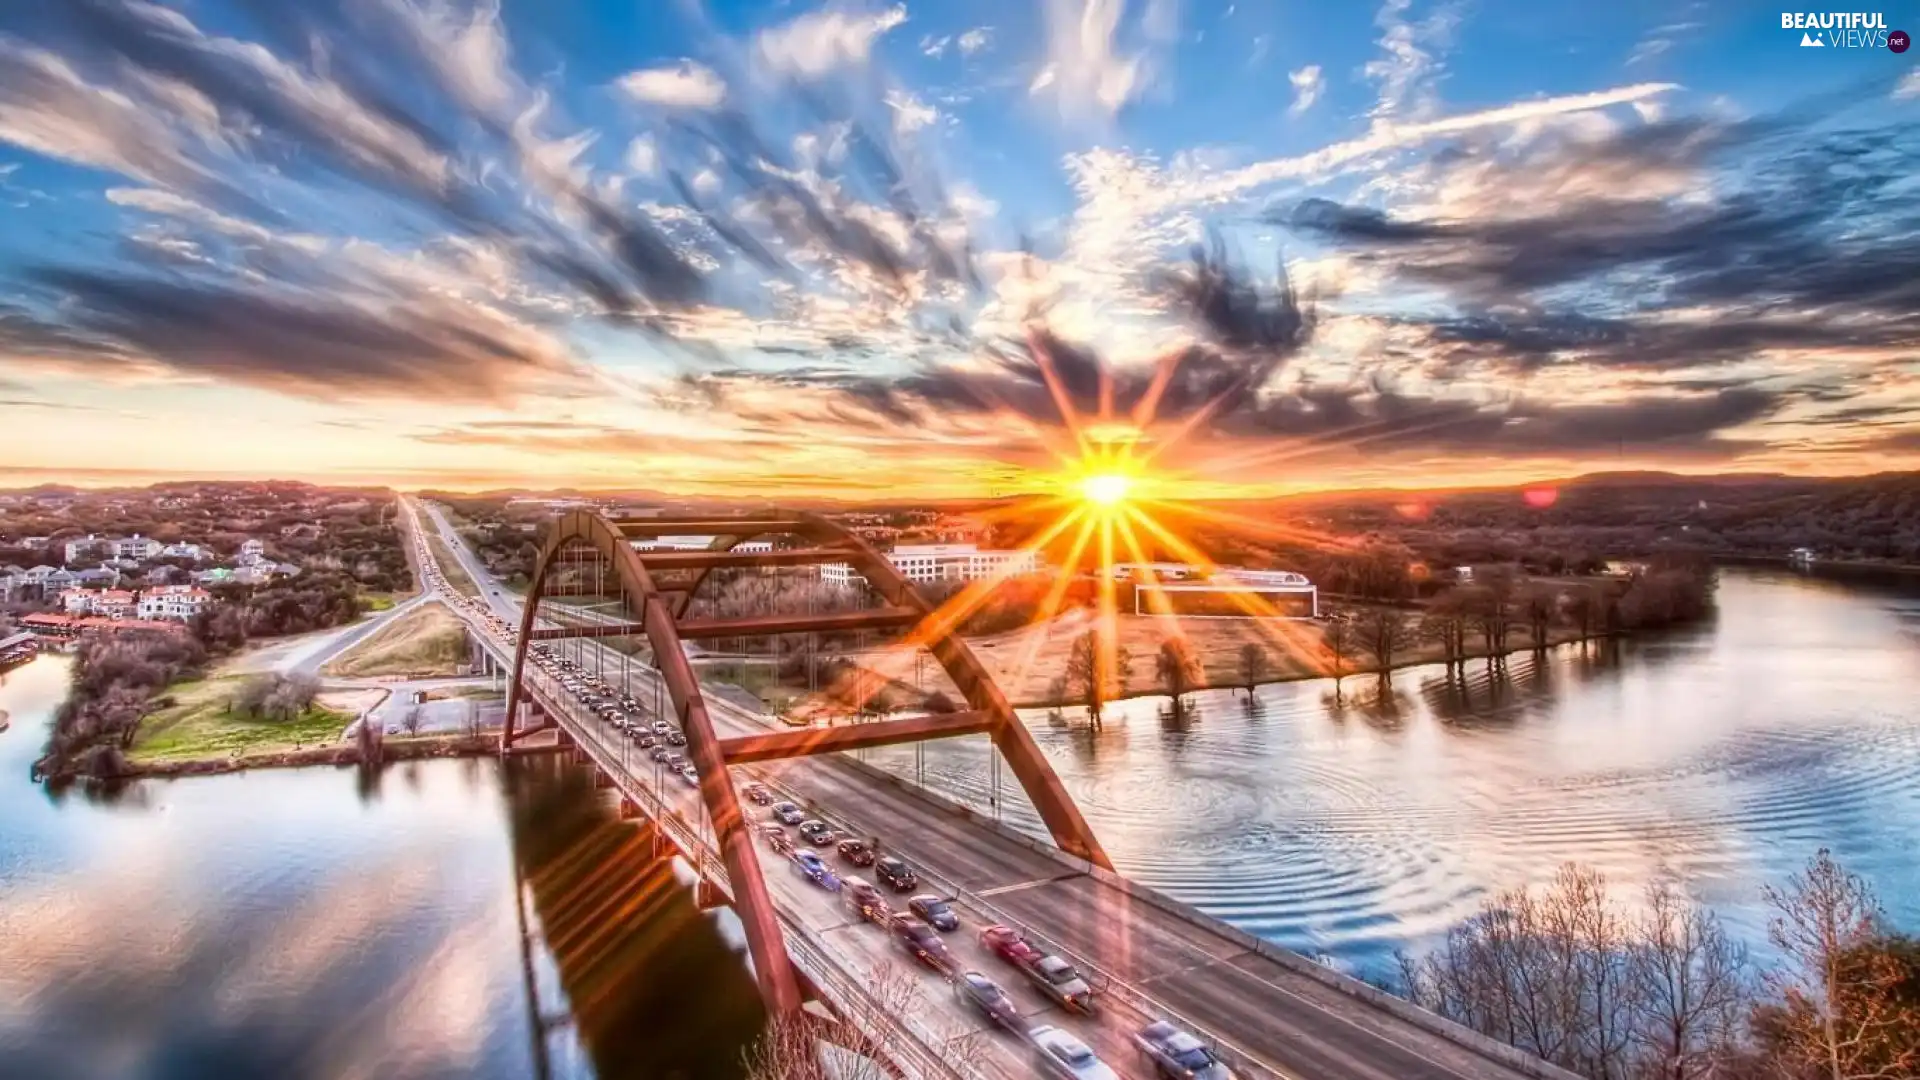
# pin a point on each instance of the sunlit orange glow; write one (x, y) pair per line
(1106, 489)
(1541, 497)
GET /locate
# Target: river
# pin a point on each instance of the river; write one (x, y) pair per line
(1725, 754)
(324, 923)
(327, 923)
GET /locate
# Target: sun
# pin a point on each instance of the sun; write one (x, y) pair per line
(1106, 489)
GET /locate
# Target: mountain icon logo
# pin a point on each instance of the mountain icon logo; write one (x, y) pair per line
(1808, 41)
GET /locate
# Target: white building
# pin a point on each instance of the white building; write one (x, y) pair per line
(1232, 593)
(925, 563)
(252, 551)
(177, 602)
(699, 543)
(185, 551)
(82, 548)
(77, 602)
(134, 547)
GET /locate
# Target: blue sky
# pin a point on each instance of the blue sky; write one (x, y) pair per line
(744, 247)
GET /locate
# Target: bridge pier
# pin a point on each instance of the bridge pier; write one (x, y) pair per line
(601, 780)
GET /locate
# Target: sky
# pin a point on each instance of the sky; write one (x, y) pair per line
(938, 248)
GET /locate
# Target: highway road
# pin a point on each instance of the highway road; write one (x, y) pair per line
(1288, 1024)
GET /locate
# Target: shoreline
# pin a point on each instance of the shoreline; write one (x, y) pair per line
(341, 754)
(1349, 672)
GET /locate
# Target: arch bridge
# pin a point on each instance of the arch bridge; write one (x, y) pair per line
(598, 578)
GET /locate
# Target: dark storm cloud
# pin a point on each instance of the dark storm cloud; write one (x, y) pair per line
(1791, 237)
(303, 343)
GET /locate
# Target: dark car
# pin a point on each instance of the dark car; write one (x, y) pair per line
(818, 833)
(923, 942)
(758, 794)
(674, 738)
(935, 912)
(787, 813)
(992, 1002)
(866, 901)
(857, 852)
(660, 753)
(1178, 1054)
(645, 742)
(895, 874)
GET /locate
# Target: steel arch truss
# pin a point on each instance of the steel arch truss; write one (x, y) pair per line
(658, 587)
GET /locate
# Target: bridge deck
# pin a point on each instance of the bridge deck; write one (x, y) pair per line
(1289, 1024)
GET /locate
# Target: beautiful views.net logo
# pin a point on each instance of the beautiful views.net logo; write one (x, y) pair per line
(1839, 29)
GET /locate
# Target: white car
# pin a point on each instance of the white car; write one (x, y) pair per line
(1068, 1057)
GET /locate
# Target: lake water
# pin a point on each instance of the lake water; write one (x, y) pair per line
(329, 923)
(1726, 754)
(296, 924)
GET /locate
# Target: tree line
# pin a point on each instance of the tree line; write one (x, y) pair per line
(114, 680)
(1663, 992)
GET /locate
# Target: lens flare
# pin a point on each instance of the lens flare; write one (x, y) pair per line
(1106, 489)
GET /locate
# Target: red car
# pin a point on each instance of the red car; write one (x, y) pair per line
(1006, 943)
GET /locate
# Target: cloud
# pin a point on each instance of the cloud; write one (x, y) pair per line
(1408, 72)
(974, 40)
(910, 114)
(1307, 85)
(1086, 73)
(685, 86)
(819, 43)
(643, 156)
(1908, 87)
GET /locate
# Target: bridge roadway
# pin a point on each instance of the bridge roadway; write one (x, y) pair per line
(1268, 1019)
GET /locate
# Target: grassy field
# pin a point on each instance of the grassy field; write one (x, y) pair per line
(450, 567)
(377, 601)
(424, 642)
(199, 725)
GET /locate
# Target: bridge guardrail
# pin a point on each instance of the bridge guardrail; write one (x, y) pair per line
(1242, 1061)
(917, 1045)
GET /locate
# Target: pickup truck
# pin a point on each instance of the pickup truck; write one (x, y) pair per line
(1053, 976)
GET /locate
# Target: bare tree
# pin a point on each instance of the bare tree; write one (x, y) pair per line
(1178, 672)
(1692, 986)
(410, 719)
(1338, 638)
(1253, 666)
(1840, 1015)
(1381, 633)
(869, 1034)
(1540, 604)
(1098, 665)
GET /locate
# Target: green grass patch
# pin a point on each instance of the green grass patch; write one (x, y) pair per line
(377, 601)
(199, 725)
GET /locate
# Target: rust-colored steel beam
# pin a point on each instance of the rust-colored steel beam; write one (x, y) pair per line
(800, 742)
(766, 946)
(591, 630)
(705, 526)
(880, 618)
(657, 561)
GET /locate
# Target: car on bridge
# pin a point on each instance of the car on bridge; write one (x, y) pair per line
(857, 852)
(1059, 980)
(935, 912)
(895, 874)
(660, 753)
(923, 943)
(690, 774)
(674, 738)
(815, 869)
(818, 833)
(1179, 1055)
(866, 901)
(1008, 944)
(1067, 1057)
(989, 1000)
(758, 794)
(787, 813)
(645, 741)
(777, 839)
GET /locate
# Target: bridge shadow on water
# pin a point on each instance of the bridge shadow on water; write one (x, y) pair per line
(647, 982)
